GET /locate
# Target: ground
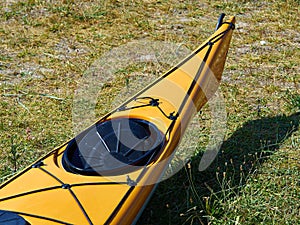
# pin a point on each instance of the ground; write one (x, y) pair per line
(46, 47)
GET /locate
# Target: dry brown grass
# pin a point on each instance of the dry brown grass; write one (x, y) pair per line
(46, 46)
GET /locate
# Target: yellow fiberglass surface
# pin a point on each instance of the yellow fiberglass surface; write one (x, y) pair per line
(106, 174)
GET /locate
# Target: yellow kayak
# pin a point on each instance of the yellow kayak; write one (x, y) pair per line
(106, 174)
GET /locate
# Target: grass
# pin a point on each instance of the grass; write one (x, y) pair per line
(47, 46)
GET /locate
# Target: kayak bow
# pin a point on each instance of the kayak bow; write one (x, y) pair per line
(106, 173)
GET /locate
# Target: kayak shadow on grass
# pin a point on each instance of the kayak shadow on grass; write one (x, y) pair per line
(251, 145)
(185, 195)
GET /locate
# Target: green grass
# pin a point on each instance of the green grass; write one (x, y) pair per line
(46, 47)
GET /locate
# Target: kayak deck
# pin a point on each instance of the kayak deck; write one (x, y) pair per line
(105, 174)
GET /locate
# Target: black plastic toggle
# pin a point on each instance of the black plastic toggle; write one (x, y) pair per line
(131, 182)
(66, 186)
(38, 164)
(154, 102)
(172, 116)
(210, 43)
(122, 108)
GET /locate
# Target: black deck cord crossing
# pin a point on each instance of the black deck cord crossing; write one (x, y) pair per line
(53, 188)
(68, 187)
(58, 187)
(153, 102)
(63, 185)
